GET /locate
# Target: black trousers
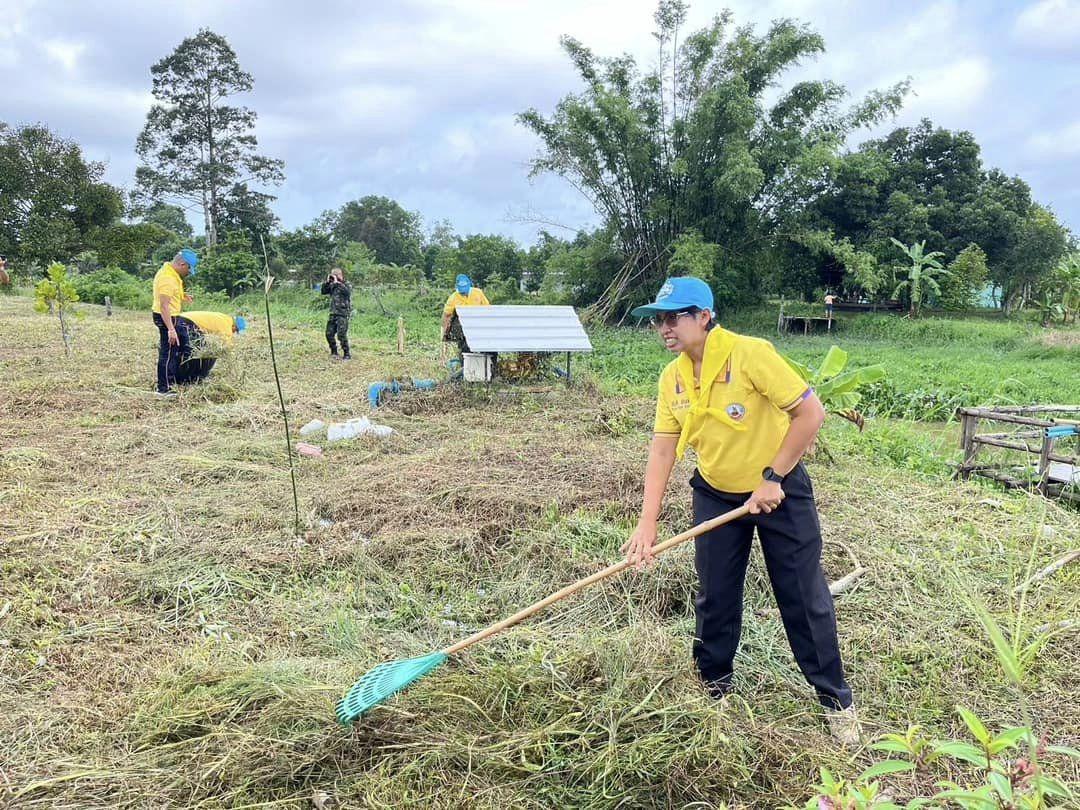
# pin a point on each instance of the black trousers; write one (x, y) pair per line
(193, 370)
(338, 326)
(170, 357)
(791, 543)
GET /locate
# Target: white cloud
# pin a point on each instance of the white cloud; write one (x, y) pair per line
(1050, 24)
(953, 87)
(64, 52)
(1060, 143)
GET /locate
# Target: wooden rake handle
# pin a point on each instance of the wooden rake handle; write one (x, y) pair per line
(611, 570)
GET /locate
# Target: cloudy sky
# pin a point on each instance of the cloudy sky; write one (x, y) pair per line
(416, 99)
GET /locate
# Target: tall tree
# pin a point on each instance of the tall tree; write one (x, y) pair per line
(129, 246)
(482, 257)
(308, 251)
(169, 217)
(694, 143)
(384, 226)
(195, 147)
(51, 198)
(925, 183)
(248, 212)
(440, 242)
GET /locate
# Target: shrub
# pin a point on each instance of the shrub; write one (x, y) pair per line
(124, 289)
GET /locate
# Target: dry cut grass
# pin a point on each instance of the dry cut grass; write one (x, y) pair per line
(165, 641)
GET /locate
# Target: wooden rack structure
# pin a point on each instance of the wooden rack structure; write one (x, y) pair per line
(1050, 432)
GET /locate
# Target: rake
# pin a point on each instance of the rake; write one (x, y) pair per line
(379, 683)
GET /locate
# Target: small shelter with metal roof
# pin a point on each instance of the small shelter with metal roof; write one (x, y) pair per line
(532, 329)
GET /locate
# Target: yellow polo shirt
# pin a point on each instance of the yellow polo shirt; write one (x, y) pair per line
(168, 282)
(475, 298)
(212, 323)
(736, 417)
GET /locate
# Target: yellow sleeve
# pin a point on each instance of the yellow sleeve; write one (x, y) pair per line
(450, 306)
(167, 284)
(774, 378)
(483, 301)
(665, 421)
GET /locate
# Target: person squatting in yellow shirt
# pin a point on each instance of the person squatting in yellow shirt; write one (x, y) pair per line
(749, 418)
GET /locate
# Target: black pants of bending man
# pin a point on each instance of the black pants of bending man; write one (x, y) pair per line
(791, 544)
(176, 366)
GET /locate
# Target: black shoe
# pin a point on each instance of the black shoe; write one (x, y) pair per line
(347, 357)
(719, 688)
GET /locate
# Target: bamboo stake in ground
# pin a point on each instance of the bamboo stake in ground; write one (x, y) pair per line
(277, 381)
(401, 335)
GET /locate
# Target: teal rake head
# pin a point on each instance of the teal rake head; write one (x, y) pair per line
(379, 683)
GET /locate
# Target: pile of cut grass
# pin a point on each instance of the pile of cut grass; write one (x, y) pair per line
(166, 641)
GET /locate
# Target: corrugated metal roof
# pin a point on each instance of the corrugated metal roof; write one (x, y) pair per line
(523, 329)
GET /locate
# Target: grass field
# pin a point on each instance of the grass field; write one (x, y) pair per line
(166, 641)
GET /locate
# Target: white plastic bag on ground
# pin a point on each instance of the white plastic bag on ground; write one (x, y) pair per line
(312, 427)
(361, 426)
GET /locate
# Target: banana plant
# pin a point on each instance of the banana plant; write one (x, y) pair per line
(837, 389)
(1050, 308)
(1066, 280)
(921, 274)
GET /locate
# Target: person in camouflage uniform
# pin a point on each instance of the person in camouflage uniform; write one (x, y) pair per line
(337, 326)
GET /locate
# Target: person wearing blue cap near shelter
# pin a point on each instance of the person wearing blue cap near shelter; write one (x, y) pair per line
(169, 299)
(750, 418)
(464, 295)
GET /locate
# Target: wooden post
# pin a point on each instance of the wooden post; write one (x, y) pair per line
(401, 335)
(1044, 462)
(108, 307)
(969, 424)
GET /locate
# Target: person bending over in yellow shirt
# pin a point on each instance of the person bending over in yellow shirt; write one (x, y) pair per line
(199, 325)
(750, 418)
(464, 295)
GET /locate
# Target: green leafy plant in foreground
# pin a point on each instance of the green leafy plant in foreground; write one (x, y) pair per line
(1001, 782)
(996, 780)
(57, 294)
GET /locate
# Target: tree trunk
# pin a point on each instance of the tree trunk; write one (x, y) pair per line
(211, 229)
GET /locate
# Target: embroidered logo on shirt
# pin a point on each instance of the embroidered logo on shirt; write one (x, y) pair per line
(736, 410)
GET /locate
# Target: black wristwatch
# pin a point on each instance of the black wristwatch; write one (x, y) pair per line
(769, 474)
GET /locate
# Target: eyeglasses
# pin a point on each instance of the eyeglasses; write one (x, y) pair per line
(670, 318)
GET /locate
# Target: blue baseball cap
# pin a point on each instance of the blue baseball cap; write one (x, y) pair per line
(678, 294)
(191, 257)
(463, 284)
(241, 323)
